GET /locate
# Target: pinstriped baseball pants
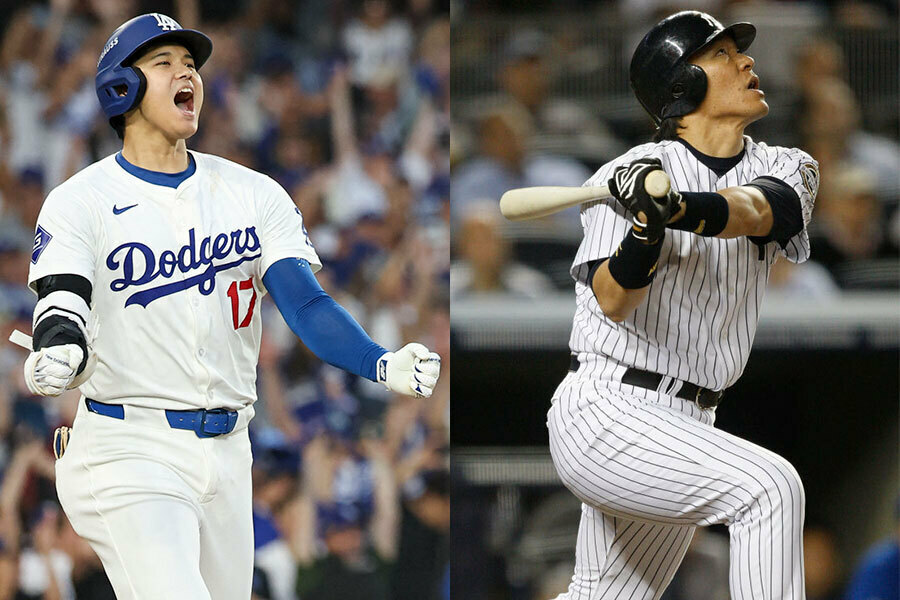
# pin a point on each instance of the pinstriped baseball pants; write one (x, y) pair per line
(649, 468)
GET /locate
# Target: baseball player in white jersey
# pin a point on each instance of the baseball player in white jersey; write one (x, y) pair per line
(150, 266)
(668, 294)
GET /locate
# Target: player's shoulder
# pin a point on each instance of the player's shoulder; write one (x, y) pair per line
(662, 150)
(86, 185)
(234, 174)
(777, 153)
(227, 168)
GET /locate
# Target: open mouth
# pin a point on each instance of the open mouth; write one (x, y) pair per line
(184, 99)
(754, 84)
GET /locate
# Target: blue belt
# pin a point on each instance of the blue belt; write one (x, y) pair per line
(204, 422)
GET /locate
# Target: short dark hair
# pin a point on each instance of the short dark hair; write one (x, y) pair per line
(118, 123)
(667, 130)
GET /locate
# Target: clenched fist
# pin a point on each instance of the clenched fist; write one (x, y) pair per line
(50, 371)
(412, 370)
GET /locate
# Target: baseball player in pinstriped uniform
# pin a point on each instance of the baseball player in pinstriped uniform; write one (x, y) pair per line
(668, 294)
(170, 251)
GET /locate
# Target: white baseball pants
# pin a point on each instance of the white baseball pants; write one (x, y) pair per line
(649, 468)
(168, 513)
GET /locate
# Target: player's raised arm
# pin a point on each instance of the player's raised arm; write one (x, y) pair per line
(766, 208)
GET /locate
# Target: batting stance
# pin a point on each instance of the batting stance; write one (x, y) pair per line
(668, 298)
(169, 252)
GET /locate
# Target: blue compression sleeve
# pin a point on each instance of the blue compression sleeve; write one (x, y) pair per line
(323, 325)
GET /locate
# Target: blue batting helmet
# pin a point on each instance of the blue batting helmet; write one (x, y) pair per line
(125, 45)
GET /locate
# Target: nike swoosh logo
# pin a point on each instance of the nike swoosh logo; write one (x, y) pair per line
(119, 211)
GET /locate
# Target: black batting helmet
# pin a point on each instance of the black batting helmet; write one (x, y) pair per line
(663, 80)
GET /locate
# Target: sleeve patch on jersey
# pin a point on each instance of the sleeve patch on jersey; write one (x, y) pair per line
(810, 174)
(41, 239)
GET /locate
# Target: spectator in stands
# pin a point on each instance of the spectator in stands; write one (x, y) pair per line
(809, 280)
(276, 474)
(505, 162)
(424, 538)
(484, 264)
(850, 222)
(822, 562)
(376, 41)
(832, 133)
(818, 59)
(358, 536)
(560, 121)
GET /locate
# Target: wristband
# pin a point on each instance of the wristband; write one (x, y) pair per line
(705, 213)
(634, 263)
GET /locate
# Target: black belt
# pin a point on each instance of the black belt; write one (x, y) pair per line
(703, 397)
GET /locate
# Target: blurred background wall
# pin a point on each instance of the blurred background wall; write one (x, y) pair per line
(541, 97)
(346, 104)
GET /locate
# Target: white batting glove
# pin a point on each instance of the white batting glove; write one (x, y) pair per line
(50, 371)
(412, 370)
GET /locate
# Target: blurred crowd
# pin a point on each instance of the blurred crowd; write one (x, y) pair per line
(346, 104)
(555, 105)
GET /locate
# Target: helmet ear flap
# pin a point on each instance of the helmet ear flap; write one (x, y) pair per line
(142, 87)
(686, 92)
(110, 83)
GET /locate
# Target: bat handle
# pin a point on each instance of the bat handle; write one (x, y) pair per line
(657, 183)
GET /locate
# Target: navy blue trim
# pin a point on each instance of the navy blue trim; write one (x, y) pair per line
(716, 164)
(172, 180)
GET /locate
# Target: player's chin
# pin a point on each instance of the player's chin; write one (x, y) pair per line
(763, 108)
(758, 109)
(184, 126)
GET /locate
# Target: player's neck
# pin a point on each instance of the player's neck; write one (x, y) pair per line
(722, 140)
(155, 153)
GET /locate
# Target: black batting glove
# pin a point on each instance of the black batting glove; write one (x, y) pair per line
(649, 215)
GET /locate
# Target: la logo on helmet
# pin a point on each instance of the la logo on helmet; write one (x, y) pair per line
(166, 23)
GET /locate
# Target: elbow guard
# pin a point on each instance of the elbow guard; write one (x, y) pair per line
(787, 216)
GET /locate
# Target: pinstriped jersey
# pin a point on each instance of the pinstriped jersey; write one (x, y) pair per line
(700, 314)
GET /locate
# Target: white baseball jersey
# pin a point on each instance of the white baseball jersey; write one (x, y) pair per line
(176, 275)
(647, 464)
(700, 315)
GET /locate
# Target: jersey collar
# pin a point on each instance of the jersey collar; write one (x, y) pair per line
(172, 180)
(717, 165)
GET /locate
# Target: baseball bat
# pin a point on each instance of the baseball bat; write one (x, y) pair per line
(533, 202)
